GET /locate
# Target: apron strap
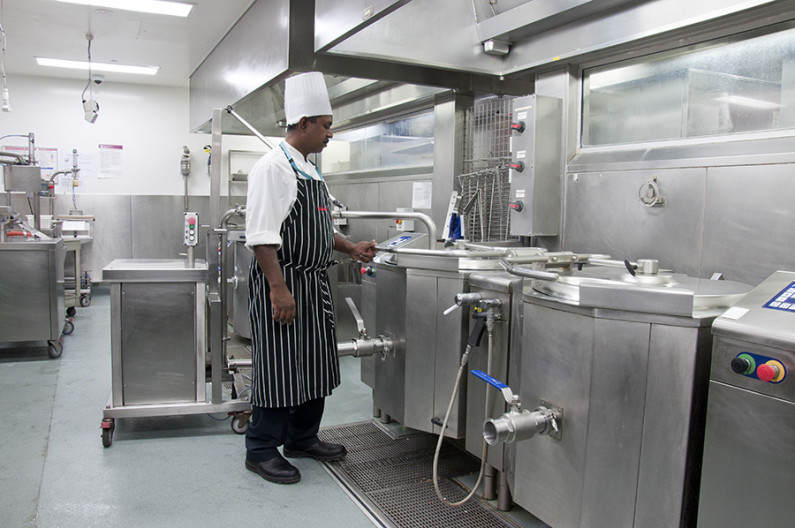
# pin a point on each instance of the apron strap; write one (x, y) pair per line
(299, 172)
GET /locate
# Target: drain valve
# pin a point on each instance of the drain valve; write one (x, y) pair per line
(518, 423)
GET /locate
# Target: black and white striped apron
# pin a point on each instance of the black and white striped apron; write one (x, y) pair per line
(298, 362)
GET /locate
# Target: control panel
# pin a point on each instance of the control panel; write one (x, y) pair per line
(763, 368)
(191, 229)
(536, 166)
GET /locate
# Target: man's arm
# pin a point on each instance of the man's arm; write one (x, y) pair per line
(362, 251)
(281, 298)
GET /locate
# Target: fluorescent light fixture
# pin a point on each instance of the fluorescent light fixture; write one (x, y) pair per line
(748, 102)
(157, 7)
(97, 66)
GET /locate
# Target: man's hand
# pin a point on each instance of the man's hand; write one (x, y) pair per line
(363, 251)
(283, 305)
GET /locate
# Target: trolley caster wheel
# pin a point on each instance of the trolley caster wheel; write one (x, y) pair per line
(55, 349)
(71, 311)
(240, 422)
(85, 301)
(107, 432)
(68, 328)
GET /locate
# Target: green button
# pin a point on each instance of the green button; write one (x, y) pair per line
(752, 364)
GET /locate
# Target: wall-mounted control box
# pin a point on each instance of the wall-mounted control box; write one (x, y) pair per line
(536, 168)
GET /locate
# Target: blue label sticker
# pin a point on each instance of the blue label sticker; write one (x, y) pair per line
(783, 300)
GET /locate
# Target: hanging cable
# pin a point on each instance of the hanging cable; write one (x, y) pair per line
(90, 106)
(6, 101)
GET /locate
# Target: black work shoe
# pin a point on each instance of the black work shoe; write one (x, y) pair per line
(276, 470)
(319, 451)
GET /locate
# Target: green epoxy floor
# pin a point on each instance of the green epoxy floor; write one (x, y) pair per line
(170, 472)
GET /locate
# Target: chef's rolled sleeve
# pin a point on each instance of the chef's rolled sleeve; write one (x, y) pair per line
(270, 197)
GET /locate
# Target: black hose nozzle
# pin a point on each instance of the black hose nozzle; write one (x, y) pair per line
(477, 332)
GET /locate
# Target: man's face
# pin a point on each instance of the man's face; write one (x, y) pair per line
(319, 133)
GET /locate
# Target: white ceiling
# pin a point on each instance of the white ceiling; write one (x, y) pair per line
(46, 28)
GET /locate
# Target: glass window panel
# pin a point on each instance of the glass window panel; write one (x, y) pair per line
(407, 142)
(723, 88)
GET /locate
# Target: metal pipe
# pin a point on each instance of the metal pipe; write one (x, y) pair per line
(20, 159)
(223, 232)
(422, 217)
(364, 347)
(216, 303)
(528, 273)
(504, 499)
(490, 482)
(610, 263)
(250, 127)
(444, 252)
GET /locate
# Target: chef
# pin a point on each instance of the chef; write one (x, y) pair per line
(293, 336)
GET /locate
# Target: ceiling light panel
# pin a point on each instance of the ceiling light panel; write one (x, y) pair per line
(97, 66)
(157, 7)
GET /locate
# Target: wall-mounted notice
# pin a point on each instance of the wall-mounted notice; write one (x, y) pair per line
(110, 159)
(421, 196)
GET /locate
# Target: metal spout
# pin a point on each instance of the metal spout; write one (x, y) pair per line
(520, 425)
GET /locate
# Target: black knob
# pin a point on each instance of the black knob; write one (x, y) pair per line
(517, 206)
(518, 166)
(740, 365)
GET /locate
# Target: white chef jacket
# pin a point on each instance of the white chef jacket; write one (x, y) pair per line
(271, 194)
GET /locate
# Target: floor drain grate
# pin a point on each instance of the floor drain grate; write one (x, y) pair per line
(391, 479)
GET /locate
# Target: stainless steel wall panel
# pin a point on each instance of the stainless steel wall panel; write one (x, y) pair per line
(112, 229)
(391, 196)
(358, 197)
(156, 223)
(749, 219)
(604, 215)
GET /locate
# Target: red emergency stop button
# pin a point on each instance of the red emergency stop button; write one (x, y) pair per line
(192, 220)
(772, 371)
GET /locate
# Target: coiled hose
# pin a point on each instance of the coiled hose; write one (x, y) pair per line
(485, 451)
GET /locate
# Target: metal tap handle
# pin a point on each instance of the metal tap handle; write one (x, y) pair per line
(451, 309)
(357, 316)
(489, 379)
(506, 391)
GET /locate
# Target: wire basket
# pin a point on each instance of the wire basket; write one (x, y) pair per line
(484, 183)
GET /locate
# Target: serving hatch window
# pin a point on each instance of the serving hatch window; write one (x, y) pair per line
(402, 143)
(724, 87)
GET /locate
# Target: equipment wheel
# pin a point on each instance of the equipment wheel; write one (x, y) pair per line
(85, 301)
(68, 328)
(107, 432)
(55, 348)
(240, 422)
(71, 311)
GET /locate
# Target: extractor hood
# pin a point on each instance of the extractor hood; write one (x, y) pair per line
(379, 54)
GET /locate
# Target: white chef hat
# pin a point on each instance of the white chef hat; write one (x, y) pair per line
(305, 95)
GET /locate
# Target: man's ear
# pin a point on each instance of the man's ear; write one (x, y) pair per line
(303, 123)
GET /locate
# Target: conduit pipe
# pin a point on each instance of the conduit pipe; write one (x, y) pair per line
(422, 217)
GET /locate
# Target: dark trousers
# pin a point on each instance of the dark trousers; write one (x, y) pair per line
(293, 427)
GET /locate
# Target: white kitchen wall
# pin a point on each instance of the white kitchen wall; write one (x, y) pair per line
(150, 123)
